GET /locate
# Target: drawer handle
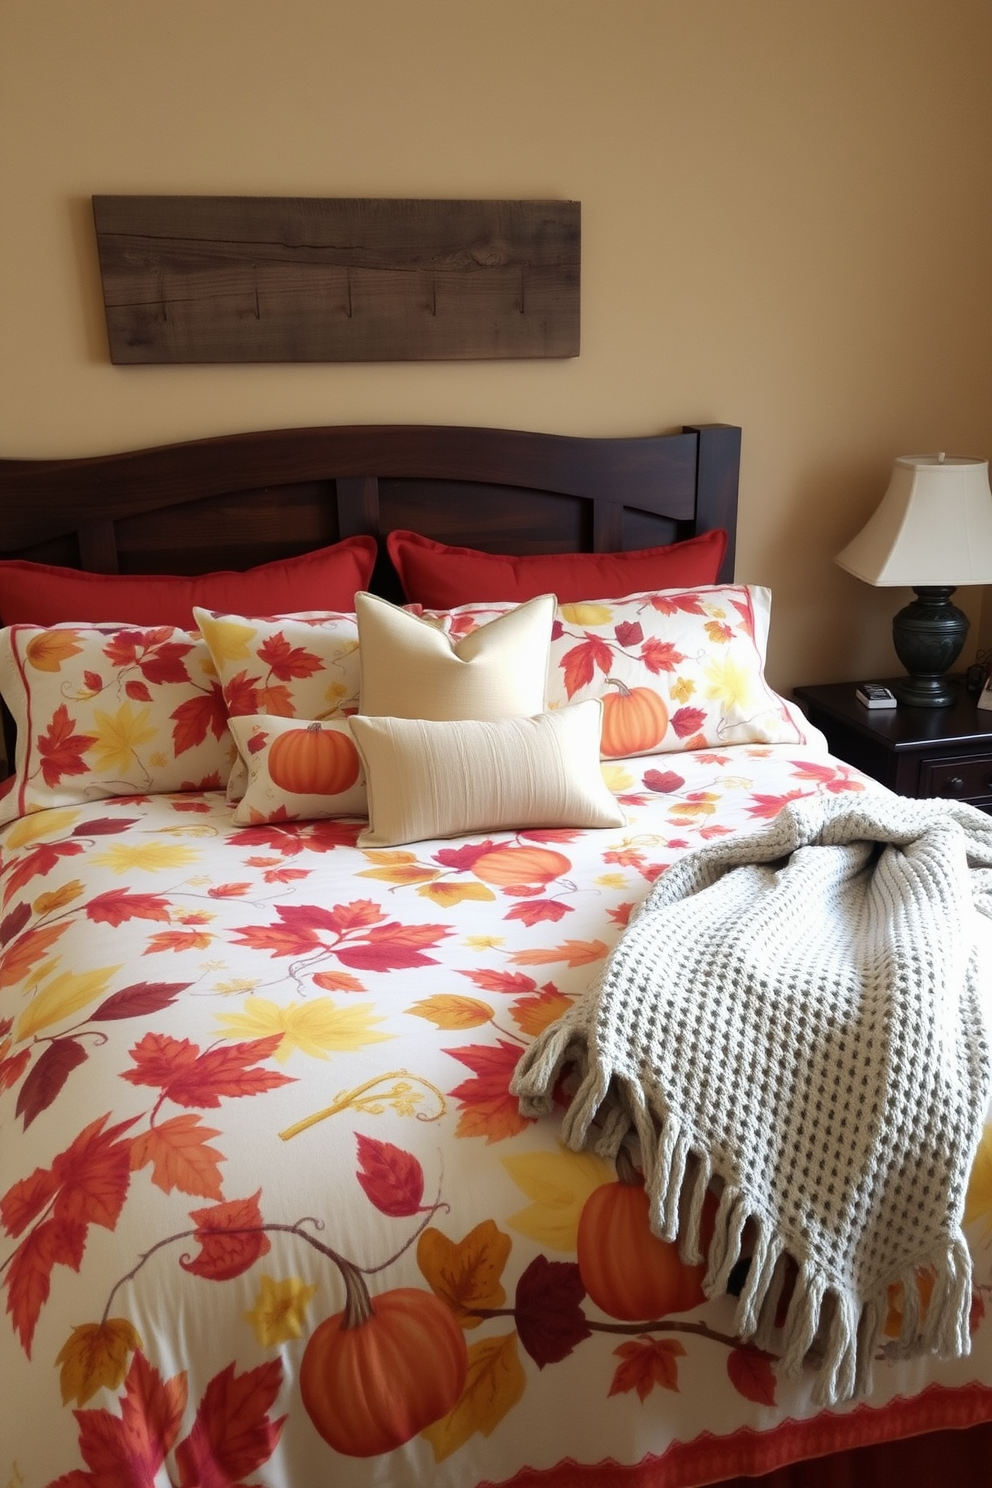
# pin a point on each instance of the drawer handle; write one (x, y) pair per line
(955, 785)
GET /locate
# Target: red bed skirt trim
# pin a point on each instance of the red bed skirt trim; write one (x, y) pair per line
(712, 1459)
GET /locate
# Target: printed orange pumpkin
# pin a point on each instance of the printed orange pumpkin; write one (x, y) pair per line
(313, 761)
(628, 1272)
(521, 864)
(368, 1385)
(634, 720)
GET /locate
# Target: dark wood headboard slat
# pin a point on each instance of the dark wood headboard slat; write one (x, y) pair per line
(98, 548)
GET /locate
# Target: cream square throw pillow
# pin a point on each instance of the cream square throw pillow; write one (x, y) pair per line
(411, 669)
(427, 778)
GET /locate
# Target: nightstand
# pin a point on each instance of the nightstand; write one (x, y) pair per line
(944, 752)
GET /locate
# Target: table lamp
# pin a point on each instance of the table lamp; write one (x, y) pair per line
(931, 532)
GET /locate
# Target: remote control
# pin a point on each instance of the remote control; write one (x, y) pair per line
(874, 695)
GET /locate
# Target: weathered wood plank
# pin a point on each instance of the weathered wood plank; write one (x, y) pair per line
(291, 279)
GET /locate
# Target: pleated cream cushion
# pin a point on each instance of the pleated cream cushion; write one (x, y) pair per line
(428, 779)
(411, 669)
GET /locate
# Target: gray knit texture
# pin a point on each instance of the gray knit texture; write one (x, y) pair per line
(798, 1015)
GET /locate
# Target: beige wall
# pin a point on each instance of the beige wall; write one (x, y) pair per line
(787, 218)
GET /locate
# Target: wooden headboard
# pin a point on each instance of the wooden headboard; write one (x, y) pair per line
(243, 499)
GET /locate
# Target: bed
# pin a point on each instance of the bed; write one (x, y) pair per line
(269, 1212)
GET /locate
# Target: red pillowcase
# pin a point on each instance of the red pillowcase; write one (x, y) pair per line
(440, 577)
(326, 579)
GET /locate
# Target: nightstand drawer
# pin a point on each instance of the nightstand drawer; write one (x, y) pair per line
(956, 779)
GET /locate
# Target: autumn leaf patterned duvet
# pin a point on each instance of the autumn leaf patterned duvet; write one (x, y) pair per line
(268, 1213)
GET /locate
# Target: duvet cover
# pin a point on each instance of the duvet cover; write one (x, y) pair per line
(268, 1212)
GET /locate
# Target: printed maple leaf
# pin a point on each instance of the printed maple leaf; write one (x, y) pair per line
(241, 695)
(533, 1015)
(686, 721)
(188, 1077)
(39, 862)
(572, 952)
(646, 1362)
(193, 718)
(767, 807)
(26, 951)
(232, 1434)
(392, 1179)
(231, 1238)
(661, 656)
(539, 911)
(117, 905)
(61, 749)
(393, 947)
(131, 1448)
(178, 940)
(13, 923)
(548, 1310)
(673, 604)
(581, 663)
(501, 981)
(832, 778)
(487, 1107)
(179, 1156)
(354, 933)
(494, 1383)
(86, 1184)
(288, 662)
(663, 782)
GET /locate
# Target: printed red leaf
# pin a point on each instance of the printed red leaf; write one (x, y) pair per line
(232, 1434)
(463, 859)
(686, 721)
(130, 1448)
(165, 662)
(39, 862)
(26, 1199)
(548, 1310)
(392, 1179)
(646, 1362)
(241, 695)
(230, 1237)
(28, 1279)
(180, 1157)
(665, 782)
(104, 826)
(193, 718)
(139, 692)
(751, 1375)
(228, 891)
(138, 999)
(393, 947)
(539, 911)
(190, 1078)
(487, 1107)
(582, 662)
(94, 1174)
(12, 1069)
(501, 981)
(661, 656)
(288, 662)
(629, 633)
(48, 1076)
(13, 923)
(61, 749)
(671, 604)
(117, 905)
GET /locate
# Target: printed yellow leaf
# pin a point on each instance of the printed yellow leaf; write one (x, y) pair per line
(316, 1028)
(40, 824)
(95, 1357)
(586, 614)
(401, 873)
(450, 892)
(573, 952)
(450, 1011)
(682, 689)
(65, 995)
(493, 1385)
(978, 1204)
(226, 639)
(56, 899)
(47, 651)
(533, 1015)
(119, 735)
(151, 857)
(385, 857)
(466, 1274)
(559, 1184)
(280, 1310)
(730, 682)
(618, 778)
(705, 806)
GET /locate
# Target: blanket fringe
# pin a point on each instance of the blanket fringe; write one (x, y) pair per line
(822, 1325)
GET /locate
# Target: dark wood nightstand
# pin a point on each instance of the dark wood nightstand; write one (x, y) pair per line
(944, 752)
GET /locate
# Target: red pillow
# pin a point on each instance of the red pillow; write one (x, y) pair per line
(326, 579)
(440, 577)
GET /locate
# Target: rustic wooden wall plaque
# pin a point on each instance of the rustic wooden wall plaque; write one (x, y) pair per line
(295, 279)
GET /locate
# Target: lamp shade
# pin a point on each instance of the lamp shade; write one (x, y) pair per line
(933, 526)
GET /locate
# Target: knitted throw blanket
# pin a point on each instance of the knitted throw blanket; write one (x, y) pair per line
(797, 1013)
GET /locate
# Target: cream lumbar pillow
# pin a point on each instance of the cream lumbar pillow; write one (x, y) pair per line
(427, 778)
(411, 669)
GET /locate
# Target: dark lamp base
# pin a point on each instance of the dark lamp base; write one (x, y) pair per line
(928, 636)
